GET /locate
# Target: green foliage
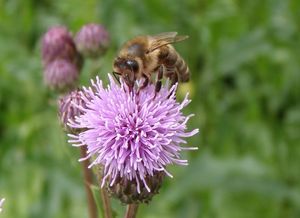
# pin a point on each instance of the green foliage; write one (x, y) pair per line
(244, 58)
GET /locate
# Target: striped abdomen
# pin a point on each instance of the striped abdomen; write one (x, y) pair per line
(174, 63)
(182, 69)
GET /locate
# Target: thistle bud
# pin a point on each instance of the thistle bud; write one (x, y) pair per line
(127, 191)
(68, 109)
(61, 75)
(57, 43)
(92, 40)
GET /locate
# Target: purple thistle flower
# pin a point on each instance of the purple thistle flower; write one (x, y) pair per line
(57, 43)
(68, 108)
(132, 134)
(61, 75)
(92, 40)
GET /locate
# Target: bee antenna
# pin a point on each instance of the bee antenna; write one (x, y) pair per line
(116, 77)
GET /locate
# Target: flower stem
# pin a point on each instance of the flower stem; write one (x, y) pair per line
(88, 180)
(106, 203)
(131, 211)
(104, 196)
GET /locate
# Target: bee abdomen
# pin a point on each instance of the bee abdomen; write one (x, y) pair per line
(174, 64)
(182, 70)
(171, 58)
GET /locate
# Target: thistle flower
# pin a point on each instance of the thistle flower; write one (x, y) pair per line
(1, 203)
(92, 40)
(61, 75)
(68, 108)
(133, 135)
(57, 43)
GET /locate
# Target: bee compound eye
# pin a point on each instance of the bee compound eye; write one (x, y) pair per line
(133, 65)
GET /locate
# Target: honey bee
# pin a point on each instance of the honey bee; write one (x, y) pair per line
(142, 56)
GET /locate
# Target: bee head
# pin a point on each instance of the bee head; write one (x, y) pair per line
(127, 69)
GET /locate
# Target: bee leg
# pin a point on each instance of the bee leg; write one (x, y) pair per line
(116, 77)
(158, 83)
(174, 80)
(159, 77)
(160, 73)
(145, 83)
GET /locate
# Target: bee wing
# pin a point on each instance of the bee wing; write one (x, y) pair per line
(166, 38)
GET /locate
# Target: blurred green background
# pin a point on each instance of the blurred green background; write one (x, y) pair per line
(245, 59)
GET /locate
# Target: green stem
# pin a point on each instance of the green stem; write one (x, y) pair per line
(131, 211)
(107, 211)
(106, 203)
(88, 181)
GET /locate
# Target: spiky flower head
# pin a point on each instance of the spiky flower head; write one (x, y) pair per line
(92, 40)
(68, 108)
(126, 190)
(57, 43)
(61, 75)
(133, 134)
(1, 204)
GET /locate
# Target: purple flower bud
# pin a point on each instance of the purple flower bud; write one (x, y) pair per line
(61, 75)
(69, 108)
(92, 40)
(132, 134)
(57, 43)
